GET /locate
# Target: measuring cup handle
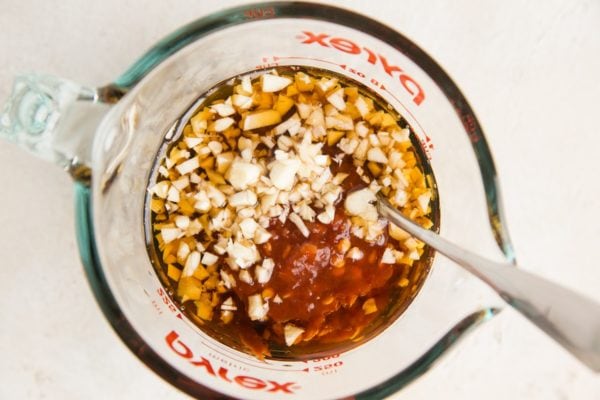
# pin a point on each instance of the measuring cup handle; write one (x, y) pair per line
(55, 119)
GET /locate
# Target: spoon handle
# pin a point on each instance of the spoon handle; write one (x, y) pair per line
(568, 317)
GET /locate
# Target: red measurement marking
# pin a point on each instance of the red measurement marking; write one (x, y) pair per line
(165, 298)
(471, 127)
(261, 366)
(352, 71)
(327, 358)
(245, 381)
(259, 12)
(328, 366)
(167, 301)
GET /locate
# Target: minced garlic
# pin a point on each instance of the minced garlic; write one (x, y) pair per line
(258, 156)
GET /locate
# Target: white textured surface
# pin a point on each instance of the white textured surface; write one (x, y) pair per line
(531, 73)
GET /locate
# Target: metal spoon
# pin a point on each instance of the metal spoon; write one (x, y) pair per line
(568, 317)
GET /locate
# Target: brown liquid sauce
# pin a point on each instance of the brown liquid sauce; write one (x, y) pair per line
(319, 294)
(325, 299)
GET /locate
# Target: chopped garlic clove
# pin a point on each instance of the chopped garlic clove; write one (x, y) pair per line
(182, 183)
(267, 141)
(400, 198)
(355, 254)
(247, 212)
(267, 201)
(173, 194)
(397, 233)
(188, 166)
(291, 333)
(243, 199)
(223, 123)
(306, 213)
(340, 177)
(361, 106)
(414, 255)
(228, 279)
(248, 227)
(336, 99)
(326, 84)
(257, 310)
(182, 252)
(209, 259)
(223, 161)
(162, 170)
(245, 277)
(377, 155)
(242, 174)
(170, 234)
(296, 220)
(304, 110)
(261, 235)
(284, 143)
(316, 118)
(348, 146)
(340, 122)
(374, 140)
(423, 201)
(327, 216)
(283, 173)
(224, 110)
(192, 142)
(228, 305)
(359, 204)
(194, 228)
(411, 243)
(244, 256)
(217, 198)
(191, 264)
(263, 272)
(182, 222)
(221, 246)
(259, 119)
(242, 102)
(161, 189)
(222, 220)
(361, 129)
(361, 150)
(202, 203)
(273, 83)
(388, 256)
(215, 147)
(247, 85)
(291, 125)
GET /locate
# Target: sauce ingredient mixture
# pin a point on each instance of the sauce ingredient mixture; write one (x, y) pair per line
(263, 211)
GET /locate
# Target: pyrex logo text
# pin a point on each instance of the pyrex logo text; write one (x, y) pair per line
(348, 46)
(245, 381)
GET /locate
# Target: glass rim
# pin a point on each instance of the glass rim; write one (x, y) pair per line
(297, 10)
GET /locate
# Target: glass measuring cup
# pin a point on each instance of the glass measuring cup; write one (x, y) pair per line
(126, 141)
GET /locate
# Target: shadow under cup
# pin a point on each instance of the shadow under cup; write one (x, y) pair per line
(162, 85)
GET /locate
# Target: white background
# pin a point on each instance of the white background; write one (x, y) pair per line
(531, 70)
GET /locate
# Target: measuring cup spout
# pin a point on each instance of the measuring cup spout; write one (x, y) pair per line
(55, 119)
